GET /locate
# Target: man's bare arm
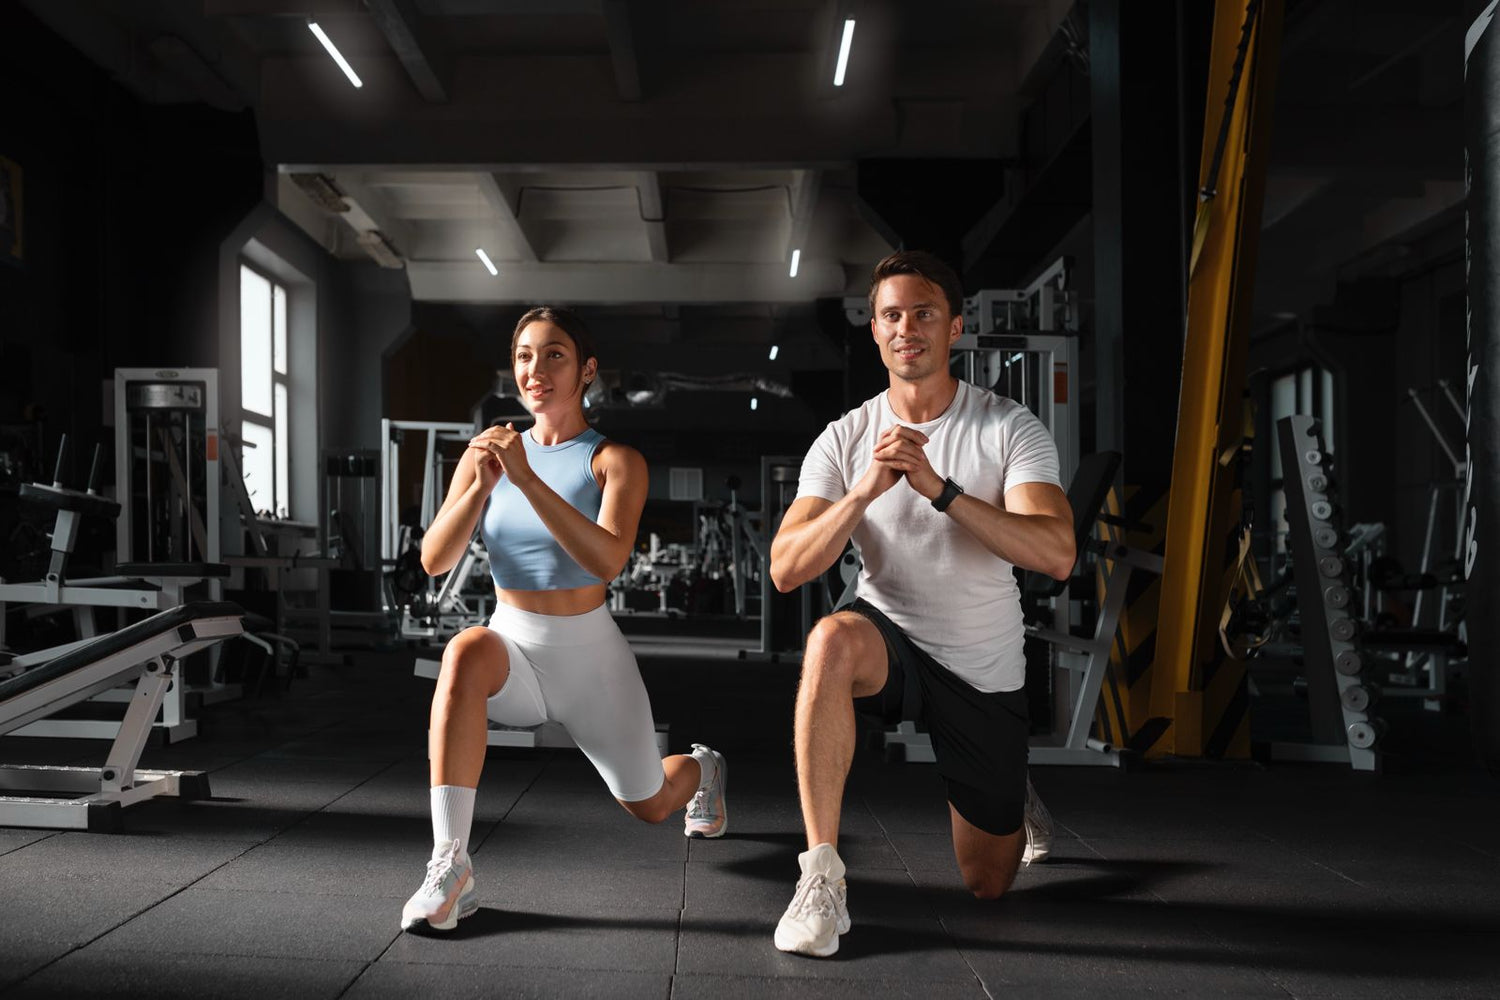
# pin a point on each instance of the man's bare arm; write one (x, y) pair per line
(1034, 531)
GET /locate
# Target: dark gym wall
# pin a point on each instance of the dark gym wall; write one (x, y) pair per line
(124, 207)
(369, 311)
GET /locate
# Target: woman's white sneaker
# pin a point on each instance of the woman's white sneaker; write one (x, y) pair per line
(707, 815)
(1038, 823)
(447, 894)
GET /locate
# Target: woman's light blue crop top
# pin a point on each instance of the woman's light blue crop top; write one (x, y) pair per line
(523, 553)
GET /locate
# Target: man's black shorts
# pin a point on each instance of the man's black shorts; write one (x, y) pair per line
(979, 738)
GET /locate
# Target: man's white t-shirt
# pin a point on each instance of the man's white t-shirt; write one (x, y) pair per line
(951, 595)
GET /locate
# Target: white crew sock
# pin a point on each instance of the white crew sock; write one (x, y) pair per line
(708, 765)
(452, 816)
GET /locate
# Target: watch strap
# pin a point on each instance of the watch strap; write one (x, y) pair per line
(951, 490)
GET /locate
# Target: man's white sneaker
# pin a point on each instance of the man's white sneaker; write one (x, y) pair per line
(819, 911)
(707, 815)
(447, 894)
(1038, 823)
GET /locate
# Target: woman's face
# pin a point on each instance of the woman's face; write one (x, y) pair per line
(548, 371)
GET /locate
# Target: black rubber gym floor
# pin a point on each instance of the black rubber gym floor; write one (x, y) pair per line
(1180, 879)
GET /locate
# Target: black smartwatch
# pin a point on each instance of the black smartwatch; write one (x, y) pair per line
(951, 490)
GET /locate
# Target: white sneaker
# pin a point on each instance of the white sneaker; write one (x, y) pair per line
(707, 816)
(1038, 822)
(447, 894)
(819, 911)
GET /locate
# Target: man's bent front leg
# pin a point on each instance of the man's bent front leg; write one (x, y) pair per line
(475, 666)
(845, 659)
(987, 861)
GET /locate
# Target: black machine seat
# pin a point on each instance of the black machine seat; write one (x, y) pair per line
(1413, 640)
(62, 498)
(198, 569)
(1086, 495)
(179, 619)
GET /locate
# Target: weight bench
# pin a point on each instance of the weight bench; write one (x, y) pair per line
(145, 650)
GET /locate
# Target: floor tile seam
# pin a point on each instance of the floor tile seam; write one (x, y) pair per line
(136, 951)
(886, 836)
(953, 939)
(464, 963)
(520, 796)
(280, 892)
(324, 807)
(145, 909)
(681, 916)
(47, 835)
(1230, 946)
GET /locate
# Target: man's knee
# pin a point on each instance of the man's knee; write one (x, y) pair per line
(836, 646)
(987, 881)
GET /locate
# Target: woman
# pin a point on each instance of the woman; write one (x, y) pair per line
(557, 508)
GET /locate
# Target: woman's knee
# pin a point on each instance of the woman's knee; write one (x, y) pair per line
(474, 662)
(652, 810)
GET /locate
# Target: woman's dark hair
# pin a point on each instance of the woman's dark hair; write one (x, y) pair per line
(565, 320)
(929, 267)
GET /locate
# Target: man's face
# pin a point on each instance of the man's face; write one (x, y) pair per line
(913, 327)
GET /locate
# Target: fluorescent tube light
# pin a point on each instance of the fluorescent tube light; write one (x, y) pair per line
(337, 56)
(838, 72)
(484, 259)
(754, 403)
(775, 350)
(796, 259)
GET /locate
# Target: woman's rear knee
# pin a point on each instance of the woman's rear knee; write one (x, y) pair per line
(648, 810)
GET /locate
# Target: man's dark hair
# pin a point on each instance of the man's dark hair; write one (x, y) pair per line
(925, 265)
(565, 320)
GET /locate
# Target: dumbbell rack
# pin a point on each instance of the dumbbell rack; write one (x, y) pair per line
(1339, 698)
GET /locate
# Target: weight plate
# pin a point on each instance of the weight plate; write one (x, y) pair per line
(1348, 663)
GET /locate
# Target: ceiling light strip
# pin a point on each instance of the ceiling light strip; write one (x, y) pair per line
(333, 51)
(838, 72)
(484, 259)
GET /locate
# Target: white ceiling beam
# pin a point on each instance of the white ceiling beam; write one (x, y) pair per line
(623, 52)
(281, 8)
(502, 194)
(407, 34)
(370, 209)
(615, 284)
(653, 213)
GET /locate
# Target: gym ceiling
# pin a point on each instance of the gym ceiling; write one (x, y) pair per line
(646, 156)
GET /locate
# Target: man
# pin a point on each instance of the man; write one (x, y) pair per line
(943, 487)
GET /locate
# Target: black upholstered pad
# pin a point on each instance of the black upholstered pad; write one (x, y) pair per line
(117, 642)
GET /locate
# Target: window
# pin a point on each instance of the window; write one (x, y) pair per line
(264, 452)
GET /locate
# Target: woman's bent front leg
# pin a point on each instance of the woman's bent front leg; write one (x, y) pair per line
(475, 666)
